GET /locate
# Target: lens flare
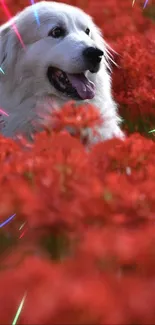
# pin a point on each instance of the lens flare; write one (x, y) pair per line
(22, 234)
(3, 112)
(7, 221)
(8, 14)
(1, 70)
(145, 4)
(35, 12)
(19, 310)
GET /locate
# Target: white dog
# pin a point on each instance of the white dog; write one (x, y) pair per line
(65, 58)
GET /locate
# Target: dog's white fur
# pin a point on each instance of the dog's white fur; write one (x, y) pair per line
(24, 87)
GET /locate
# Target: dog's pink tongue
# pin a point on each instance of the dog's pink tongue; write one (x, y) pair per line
(84, 87)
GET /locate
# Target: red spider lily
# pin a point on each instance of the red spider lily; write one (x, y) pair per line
(82, 245)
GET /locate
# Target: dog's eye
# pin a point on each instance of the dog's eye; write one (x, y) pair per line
(87, 31)
(56, 32)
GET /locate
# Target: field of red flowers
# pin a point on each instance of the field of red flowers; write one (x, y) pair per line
(81, 246)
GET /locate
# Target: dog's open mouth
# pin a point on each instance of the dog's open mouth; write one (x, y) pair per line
(75, 86)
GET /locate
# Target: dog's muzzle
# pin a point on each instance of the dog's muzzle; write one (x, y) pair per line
(93, 57)
(76, 86)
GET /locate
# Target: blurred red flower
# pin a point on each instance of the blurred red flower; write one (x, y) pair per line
(82, 243)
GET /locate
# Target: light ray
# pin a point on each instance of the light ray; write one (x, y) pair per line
(145, 4)
(15, 320)
(35, 12)
(133, 2)
(3, 112)
(14, 27)
(7, 221)
(1, 70)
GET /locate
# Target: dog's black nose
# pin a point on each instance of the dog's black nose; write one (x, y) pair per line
(93, 56)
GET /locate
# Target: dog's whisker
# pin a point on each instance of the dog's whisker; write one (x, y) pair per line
(108, 60)
(109, 56)
(35, 12)
(14, 27)
(108, 47)
(109, 53)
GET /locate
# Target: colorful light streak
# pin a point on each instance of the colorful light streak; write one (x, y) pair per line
(3, 112)
(22, 234)
(7, 221)
(1, 70)
(22, 225)
(15, 320)
(35, 12)
(14, 27)
(145, 4)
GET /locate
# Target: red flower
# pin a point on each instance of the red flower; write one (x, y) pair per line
(82, 243)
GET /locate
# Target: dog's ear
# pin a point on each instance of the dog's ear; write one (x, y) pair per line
(8, 47)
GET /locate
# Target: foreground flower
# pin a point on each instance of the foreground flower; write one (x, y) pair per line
(82, 243)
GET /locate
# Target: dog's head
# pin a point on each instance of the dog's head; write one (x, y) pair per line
(61, 56)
